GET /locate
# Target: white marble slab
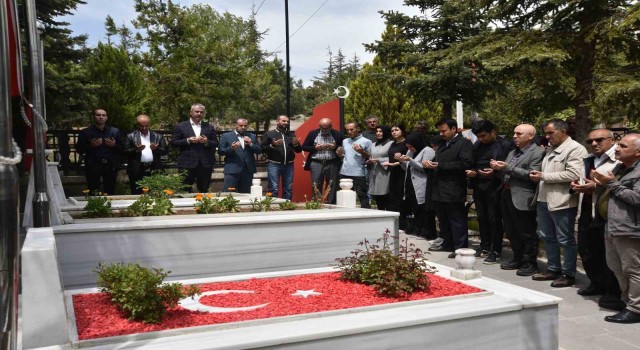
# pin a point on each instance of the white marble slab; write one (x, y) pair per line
(218, 245)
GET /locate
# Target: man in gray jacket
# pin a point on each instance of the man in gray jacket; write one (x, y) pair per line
(557, 207)
(518, 202)
(622, 238)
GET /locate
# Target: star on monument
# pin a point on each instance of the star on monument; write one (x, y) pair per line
(305, 293)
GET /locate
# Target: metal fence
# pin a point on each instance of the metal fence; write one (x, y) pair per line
(63, 145)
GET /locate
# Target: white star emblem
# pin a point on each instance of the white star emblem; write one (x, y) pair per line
(305, 293)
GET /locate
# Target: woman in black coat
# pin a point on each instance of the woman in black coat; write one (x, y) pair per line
(396, 177)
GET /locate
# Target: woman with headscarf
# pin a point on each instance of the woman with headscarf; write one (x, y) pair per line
(396, 175)
(416, 182)
(379, 173)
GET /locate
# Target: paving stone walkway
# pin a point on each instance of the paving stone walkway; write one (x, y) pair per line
(582, 325)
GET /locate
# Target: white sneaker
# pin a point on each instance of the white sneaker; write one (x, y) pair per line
(438, 241)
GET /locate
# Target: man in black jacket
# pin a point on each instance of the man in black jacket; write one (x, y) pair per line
(324, 163)
(486, 185)
(279, 146)
(143, 149)
(101, 146)
(449, 192)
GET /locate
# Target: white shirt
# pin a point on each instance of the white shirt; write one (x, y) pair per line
(147, 154)
(196, 127)
(240, 139)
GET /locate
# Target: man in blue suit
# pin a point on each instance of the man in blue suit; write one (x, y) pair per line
(197, 141)
(239, 149)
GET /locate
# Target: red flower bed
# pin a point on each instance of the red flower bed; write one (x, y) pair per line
(97, 317)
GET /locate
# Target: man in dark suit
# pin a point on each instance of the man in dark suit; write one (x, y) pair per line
(197, 141)
(101, 146)
(239, 149)
(517, 200)
(143, 149)
(449, 193)
(322, 161)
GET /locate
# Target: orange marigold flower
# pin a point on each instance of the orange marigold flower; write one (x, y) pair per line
(145, 189)
(269, 194)
(199, 197)
(209, 195)
(168, 192)
(231, 189)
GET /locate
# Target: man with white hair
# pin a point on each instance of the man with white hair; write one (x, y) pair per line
(622, 238)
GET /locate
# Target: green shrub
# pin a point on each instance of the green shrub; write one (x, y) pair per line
(98, 206)
(287, 205)
(139, 291)
(158, 181)
(262, 204)
(390, 275)
(156, 204)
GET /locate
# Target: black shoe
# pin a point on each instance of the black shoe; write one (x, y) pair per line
(563, 281)
(481, 252)
(527, 269)
(493, 258)
(451, 256)
(611, 302)
(545, 276)
(624, 316)
(592, 289)
(511, 265)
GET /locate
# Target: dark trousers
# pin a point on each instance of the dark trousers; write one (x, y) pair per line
(381, 201)
(101, 172)
(487, 202)
(241, 182)
(454, 227)
(136, 176)
(360, 186)
(325, 173)
(420, 214)
(520, 226)
(199, 174)
(592, 251)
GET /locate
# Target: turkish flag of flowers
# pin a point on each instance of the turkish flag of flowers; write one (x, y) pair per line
(97, 317)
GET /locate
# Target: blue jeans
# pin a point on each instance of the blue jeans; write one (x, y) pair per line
(277, 171)
(555, 228)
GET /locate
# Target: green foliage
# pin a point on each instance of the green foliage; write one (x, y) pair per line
(287, 205)
(139, 291)
(208, 204)
(159, 181)
(262, 204)
(391, 275)
(151, 204)
(98, 206)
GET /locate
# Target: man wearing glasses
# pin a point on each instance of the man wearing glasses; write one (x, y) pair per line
(591, 225)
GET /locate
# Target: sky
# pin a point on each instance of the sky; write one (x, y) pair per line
(338, 24)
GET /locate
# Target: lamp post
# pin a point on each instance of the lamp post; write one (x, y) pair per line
(288, 68)
(41, 217)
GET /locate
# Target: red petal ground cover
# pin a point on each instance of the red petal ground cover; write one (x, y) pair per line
(97, 317)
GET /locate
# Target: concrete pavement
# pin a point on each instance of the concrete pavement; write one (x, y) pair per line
(581, 323)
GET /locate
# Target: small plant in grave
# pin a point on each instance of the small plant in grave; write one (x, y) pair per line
(208, 204)
(159, 181)
(139, 291)
(287, 205)
(98, 205)
(230, 204)
(319, 199)
(151, 204)
(390, 275)
(262, 204)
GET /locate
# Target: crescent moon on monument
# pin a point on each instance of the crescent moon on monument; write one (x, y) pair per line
(194, 304)
(337, 91)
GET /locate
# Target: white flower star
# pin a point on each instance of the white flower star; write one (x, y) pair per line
(305, 293)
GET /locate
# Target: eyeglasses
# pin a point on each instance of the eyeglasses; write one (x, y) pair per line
(597, 140)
